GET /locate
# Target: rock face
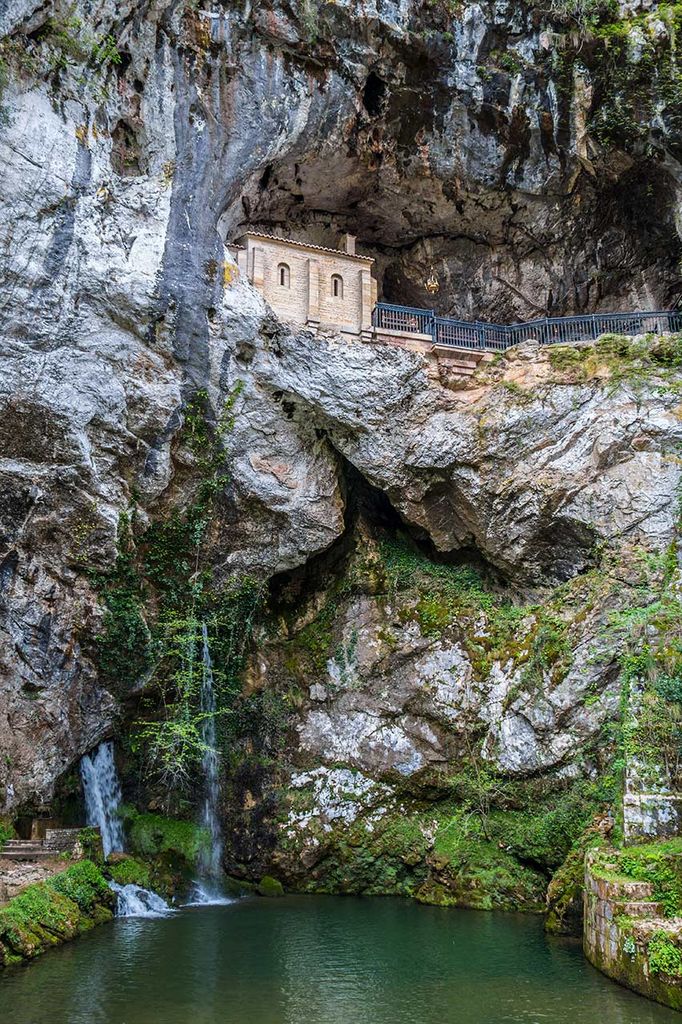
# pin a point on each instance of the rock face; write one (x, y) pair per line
(135, 142)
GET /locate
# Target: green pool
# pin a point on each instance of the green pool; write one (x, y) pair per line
(320, 960)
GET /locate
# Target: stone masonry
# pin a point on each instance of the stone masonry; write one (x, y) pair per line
(310, 285)
(620, 920)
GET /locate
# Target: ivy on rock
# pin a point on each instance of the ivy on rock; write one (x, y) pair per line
(166, 617)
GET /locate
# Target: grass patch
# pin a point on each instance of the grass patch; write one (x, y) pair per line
(664, 955)
(660, 864)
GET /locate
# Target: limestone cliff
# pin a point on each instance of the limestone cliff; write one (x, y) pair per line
(488, 139)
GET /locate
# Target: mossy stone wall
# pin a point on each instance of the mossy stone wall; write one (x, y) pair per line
(625, 935)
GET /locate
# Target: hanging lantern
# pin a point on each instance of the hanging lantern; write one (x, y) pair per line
(432, 283)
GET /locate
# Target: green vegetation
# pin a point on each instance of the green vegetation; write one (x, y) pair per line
(152, 834)
(384, 858)
(70, 44)
(124, 645)
(54, 911)
(586, 15)
(534, 637)
(621, 360)
(91, 843)
(651, 663)
(131, 871)
(83, 883)
(664, 956)
(269, 886)
(491, 843)
(507, 60)
(565, 893)
(633, 67)
(6, 832)
(309, 16)
(484, 839)
(661, 864)
(63, 45)
(159, 599)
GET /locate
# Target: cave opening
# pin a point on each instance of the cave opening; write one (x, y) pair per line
(501, 255)
(374, 95)
(369, 512)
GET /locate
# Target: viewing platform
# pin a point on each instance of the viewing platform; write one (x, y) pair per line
(334, 290)
(407, 323)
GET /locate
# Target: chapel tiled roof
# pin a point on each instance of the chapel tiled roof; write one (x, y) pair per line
(307, 245)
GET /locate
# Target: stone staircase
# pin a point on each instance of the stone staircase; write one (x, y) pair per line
(621, 919)
(461, 362)
(26, 849)
(58, 842)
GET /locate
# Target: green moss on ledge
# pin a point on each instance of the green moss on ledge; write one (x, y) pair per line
(152, 834)
(616, 358)
(490, 844)
(6, 832)
(661, 864)
(49, 913)
(130, 871)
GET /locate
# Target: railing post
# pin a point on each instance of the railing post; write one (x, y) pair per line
(595, 335)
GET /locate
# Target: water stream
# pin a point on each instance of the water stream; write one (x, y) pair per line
(102, 793)
(320, 960)
(134, 901)
(207, 888)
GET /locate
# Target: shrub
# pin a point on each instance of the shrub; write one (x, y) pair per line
(83, 883)
(664, 956)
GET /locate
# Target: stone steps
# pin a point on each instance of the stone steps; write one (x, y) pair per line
(58, 842)
(463, 363)
(25, 849)
(641, 908)
(28, 855)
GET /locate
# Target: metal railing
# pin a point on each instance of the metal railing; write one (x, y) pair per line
(564, 330)
(403, 318)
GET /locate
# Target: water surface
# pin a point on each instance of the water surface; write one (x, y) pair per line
(320, 960)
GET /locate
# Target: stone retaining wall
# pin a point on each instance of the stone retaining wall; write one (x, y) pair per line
(63, 840)
(621, 921)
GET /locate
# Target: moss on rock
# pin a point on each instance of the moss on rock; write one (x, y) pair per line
(153, 834)
(269, 886)
(54, 911)
(130, 871)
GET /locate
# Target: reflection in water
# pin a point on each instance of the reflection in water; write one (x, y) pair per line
(321, 960)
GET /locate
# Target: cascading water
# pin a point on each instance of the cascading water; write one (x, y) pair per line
(102, 792)
(211, 860)
(134, 901)
(210, 864)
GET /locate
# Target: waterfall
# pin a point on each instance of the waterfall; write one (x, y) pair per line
(134, 901)
(102, 792)
(212, 860)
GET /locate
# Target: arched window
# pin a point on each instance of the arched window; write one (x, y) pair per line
(337, 286)
(284, 275)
